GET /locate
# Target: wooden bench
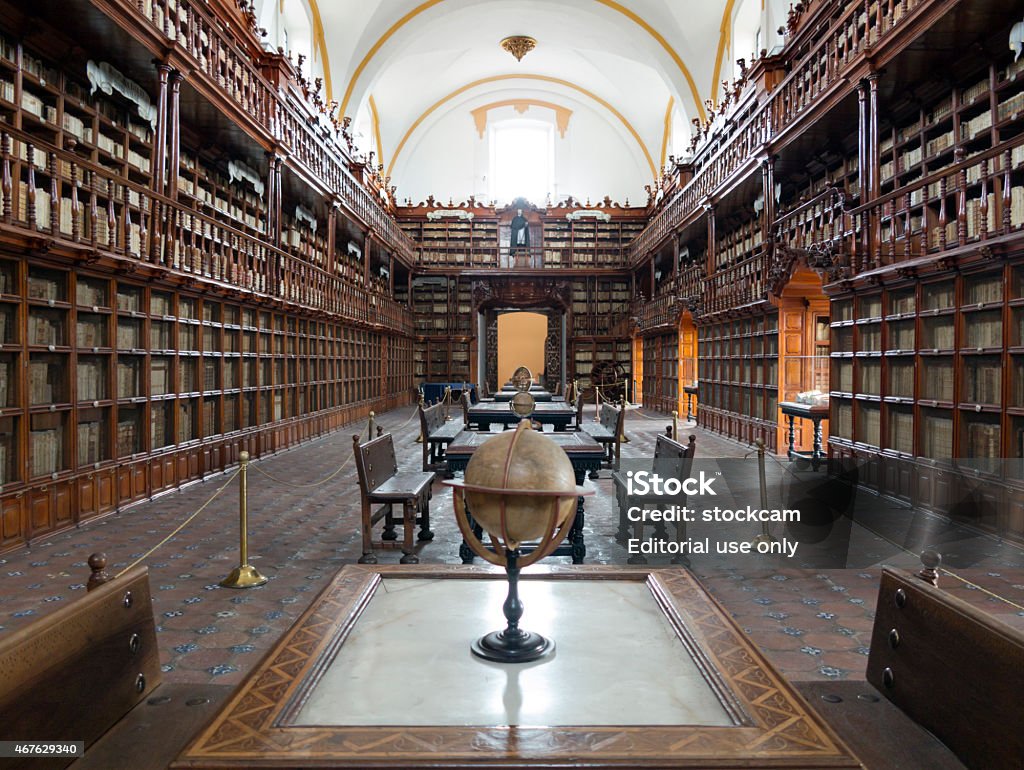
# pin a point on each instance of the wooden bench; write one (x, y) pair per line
(943, 683)
(607, 432)
(380, 482)
(438, 433)
(90, 671)
(671, 460)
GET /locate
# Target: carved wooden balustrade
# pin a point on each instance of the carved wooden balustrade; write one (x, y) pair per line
(681, 292)
(816, 67)
(529, 258)
(813, 223)
(56, 195)
(286, 117)
(968, 202)
(742, 284)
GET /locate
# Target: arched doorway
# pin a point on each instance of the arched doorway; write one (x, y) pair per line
(521, 338)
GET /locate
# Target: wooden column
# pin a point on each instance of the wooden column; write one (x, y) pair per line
(271, 192)
(768, 190)
(872, 115)
(710, 266)
(274, 163)
(160, 138)
(391, 276)
(862, 141)
(332, 238)
(675, 254)
(174, 124)
(874, 172)
(367, 243)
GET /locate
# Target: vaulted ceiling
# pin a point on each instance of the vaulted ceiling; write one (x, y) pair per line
(399, 66)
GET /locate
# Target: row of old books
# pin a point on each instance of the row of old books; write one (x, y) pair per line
(46, 449)
(128, 439)
(45, 381)
(91, 380)
(128, 371)
(984, 330)
(982, 440)
(90, 443)
(983, 381)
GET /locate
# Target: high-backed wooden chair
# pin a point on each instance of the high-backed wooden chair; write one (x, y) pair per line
(381, 482)
(607, 432)
(671, 460)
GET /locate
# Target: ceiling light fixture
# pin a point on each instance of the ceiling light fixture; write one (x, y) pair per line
(519, 45)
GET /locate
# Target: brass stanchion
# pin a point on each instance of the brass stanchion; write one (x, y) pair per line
(597, 404)
(765, 536)
(244, 575)
(419, 438)
(675, 426)
(623, 439)
(447, 400)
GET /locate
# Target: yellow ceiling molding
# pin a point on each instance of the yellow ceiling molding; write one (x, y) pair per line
(668, 49)
(377, 46)
(724, 39)
(607, 3)
(321, 45)
(668, 129)
(376, 130)
(562, 114)
(544, 78)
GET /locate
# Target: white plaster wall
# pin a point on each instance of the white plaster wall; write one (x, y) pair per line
(447, 158)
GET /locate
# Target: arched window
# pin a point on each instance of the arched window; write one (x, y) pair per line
(522, 160)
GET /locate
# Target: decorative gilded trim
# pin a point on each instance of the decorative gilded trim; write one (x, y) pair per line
(546, 78)
(724, 38)
(375, 119)
(518, 45)
(608, 3)
(321, 44)
(378, 45)
(668, 129)
(562, 114)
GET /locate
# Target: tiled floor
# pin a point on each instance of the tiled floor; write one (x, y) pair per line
(813, 623)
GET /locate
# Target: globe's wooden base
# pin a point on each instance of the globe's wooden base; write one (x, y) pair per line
(501, 647)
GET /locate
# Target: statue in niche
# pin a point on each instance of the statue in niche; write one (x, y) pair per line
(520, 239)
(520, 231)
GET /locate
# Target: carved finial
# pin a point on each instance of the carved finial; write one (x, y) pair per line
(930, 571)
(99, 576)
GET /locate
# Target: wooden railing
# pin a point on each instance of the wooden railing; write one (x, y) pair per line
(72, 200)
(819, 220)
(529, 258)
(823, 66)
(189, 25)
(968, 202)
(742, 284)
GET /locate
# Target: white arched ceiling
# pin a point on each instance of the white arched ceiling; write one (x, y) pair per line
(625, 60)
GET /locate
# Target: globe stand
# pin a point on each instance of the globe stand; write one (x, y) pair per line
(513, 645)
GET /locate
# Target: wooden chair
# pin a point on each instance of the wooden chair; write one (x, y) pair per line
(607, 432)
(380, 482)
(438, 433)
(671, 460)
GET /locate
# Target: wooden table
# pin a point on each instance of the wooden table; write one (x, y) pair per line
(691, 391)
(538, 395)
(808, 412)
(558, 413)
(769, 725)
(584, 453)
